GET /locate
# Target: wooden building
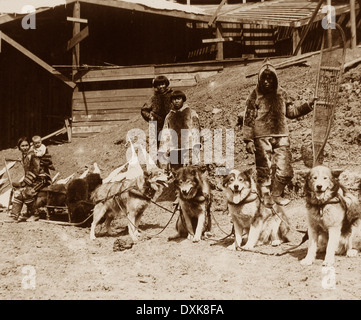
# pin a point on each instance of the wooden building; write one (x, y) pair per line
(92, 61)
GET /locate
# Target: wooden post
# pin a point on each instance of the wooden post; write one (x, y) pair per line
(68, 129)
(304, 34)
(353, 24)
(296, 41)
(219, 44)
(329, 33)
(76, 30)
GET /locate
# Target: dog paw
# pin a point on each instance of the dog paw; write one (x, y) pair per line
(328, 263)
(174, 237)
(247, 247)
(92, 237)
(351, 253)
(190, 237)
(276, 243)
(306, 262)
(196, 239)
(208, 234)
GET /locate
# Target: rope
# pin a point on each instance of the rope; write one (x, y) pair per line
(74, 224)
(152, 201)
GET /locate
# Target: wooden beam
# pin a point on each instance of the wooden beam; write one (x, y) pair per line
(143, 8)
(37, 60)
(329, 31)
(296, 40)
(68, 129)
(57, 132)
(215, 14)
(76, 30)
(219, 55)
(353, 23)
(217, 40)
(352, 63)
(77, 38)
(312, 19)
(72, 19)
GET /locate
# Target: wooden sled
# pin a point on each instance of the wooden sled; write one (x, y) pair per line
(329, 75)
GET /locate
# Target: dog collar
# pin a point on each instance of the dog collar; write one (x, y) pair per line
(321, 206)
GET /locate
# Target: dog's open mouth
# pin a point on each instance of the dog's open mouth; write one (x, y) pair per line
(189, 193)
(238, 196)
(319, 194)
(162, 183)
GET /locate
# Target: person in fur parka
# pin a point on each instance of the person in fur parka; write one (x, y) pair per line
(159, 104)
(180, 135)
(266, 134)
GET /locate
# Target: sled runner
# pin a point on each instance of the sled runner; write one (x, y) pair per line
(329, 74)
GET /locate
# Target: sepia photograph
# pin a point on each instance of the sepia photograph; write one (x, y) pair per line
(180, 154)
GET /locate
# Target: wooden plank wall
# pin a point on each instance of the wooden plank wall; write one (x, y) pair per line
(33, 101)
(97, 110)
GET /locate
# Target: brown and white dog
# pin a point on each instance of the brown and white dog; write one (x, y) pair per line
(194, 200)
(130, 197)
(258, 223)
(332, 214)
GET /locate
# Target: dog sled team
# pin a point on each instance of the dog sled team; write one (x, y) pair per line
(255, 200)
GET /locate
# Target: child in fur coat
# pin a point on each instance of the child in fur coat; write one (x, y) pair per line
(158, 106)
(179, 143)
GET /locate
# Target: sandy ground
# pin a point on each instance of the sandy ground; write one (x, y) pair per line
(44, 261)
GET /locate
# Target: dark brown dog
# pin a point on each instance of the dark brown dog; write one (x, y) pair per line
(53, 195)
(194, 200)
(78, 196)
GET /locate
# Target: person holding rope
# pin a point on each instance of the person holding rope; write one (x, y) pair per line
(266, 134)
(26, 191)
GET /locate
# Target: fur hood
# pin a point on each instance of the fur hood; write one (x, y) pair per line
(267, 66)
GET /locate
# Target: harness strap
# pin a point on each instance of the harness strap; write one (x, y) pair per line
(334, 200)
(138, 193)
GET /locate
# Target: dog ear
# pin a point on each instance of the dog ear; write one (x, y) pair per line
(336, 183)
(336, 172)
(304, 173)
(306, 189)
(225, 181)
(249, 172)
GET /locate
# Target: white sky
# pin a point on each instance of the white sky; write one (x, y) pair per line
(18, 6)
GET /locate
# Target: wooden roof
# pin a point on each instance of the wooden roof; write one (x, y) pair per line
(289, 13)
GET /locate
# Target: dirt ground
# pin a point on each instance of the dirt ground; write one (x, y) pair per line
(45, 261)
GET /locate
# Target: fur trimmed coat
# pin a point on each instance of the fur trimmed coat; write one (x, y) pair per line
(157, 107)
(266, 113)
(173, 134)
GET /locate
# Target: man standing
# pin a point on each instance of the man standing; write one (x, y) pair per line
(266, 135)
